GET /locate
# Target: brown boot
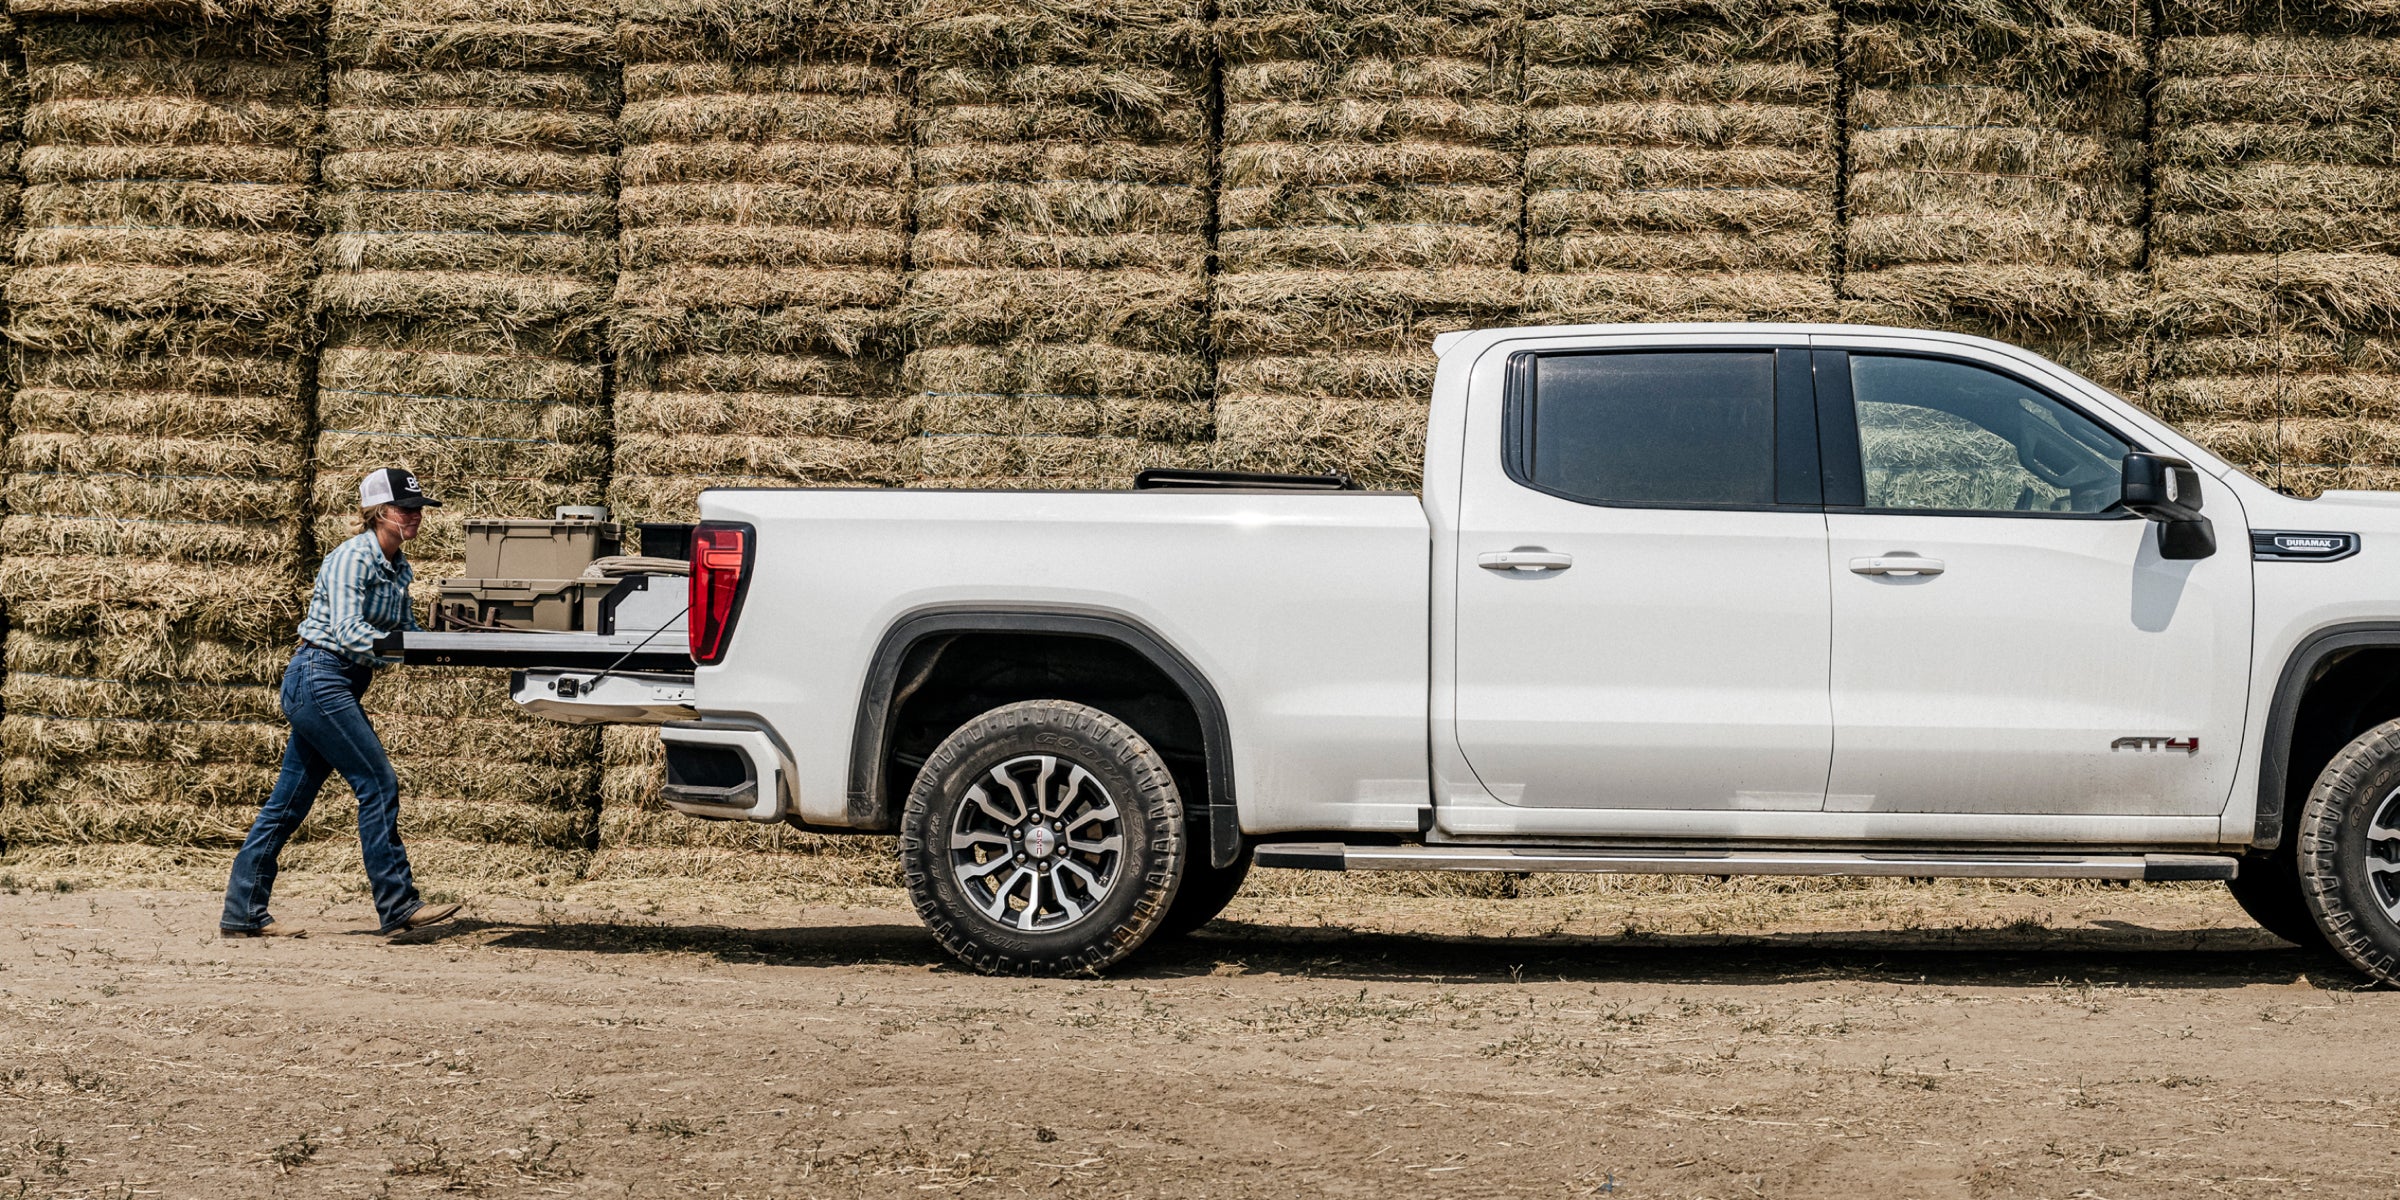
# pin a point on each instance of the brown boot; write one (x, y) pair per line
(426, 914)
(270, 929)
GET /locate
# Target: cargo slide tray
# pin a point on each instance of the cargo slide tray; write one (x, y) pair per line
(665, 650)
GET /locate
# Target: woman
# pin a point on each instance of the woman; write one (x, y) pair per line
(361, 595)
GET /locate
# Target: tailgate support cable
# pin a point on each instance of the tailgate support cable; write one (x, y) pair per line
(611, 668)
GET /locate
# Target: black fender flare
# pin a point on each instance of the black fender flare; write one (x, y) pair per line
(870, 743)
(2299, 671)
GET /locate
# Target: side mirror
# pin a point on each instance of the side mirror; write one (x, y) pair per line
(2167, 490)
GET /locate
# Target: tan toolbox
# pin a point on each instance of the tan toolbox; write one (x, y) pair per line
(556, 605)
(556, 549)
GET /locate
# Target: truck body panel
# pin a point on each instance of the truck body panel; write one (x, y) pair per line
(2300, 600)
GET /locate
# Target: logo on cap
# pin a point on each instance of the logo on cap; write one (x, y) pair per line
(390, 485)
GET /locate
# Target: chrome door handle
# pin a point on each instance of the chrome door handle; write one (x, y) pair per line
(1896, 564)
(1525, 560)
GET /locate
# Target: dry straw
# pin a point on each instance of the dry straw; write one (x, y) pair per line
(1679, 160)
(1371, 180)
(1996, 174)
(465, 267)
(1057, 310)
(150, 551)
(2277, 286)
(764, 208)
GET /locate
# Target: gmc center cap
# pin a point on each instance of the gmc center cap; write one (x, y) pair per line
(394, 486)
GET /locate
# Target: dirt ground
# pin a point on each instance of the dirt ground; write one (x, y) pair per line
(1735, 1040)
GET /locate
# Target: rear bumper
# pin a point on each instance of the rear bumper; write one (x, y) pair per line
(726, 769)
(603, 697)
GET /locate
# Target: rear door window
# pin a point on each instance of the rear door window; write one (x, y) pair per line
(1682, 428)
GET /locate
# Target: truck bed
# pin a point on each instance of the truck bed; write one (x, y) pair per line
(1307, 612)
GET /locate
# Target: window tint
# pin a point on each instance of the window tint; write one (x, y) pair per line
(1673, 427)
(1946, 435)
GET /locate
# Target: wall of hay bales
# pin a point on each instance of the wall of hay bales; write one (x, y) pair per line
(151, 555)
(565, 251)
(763, 197)
(1997, 174)
(764, 193)
(1371, 196)
(1058, 296)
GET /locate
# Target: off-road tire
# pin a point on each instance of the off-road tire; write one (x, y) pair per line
(2269, 890)
(2335, 852)
(1136, 780)
(1205, 892)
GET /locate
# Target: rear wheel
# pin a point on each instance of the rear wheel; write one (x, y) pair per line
(2349, 853)
(1043, 837)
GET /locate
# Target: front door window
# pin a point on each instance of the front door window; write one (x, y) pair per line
(1937, 435)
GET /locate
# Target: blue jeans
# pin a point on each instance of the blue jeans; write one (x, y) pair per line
(329, 733)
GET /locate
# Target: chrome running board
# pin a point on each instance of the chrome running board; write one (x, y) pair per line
(1335, 856)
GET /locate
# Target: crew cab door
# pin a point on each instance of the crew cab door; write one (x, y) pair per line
(2006, 637)
(1641, 610)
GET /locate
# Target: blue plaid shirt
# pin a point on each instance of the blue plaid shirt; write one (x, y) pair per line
(360, 596)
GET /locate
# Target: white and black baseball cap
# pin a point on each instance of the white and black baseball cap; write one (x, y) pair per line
(396, 486)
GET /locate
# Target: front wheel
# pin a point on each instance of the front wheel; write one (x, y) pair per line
(1043, 838)
(2349, 853)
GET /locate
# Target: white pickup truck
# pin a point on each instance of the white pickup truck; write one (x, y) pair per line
(1716, 599)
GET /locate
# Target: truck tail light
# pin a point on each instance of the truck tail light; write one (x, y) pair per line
(720, 575)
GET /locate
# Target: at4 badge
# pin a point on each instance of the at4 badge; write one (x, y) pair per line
(2190, 745)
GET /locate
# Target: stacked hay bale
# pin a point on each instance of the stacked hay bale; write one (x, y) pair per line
(764, 196)
(1371, 194)
(1059, 298)
(12, 148)
(1996, 174)
(150, 559)
(465, 266)
(2277, 239)
(1680, 160)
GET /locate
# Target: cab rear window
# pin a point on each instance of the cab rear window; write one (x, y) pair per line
(1673, 427)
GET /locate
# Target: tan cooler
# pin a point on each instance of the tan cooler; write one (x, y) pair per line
(557, 549)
